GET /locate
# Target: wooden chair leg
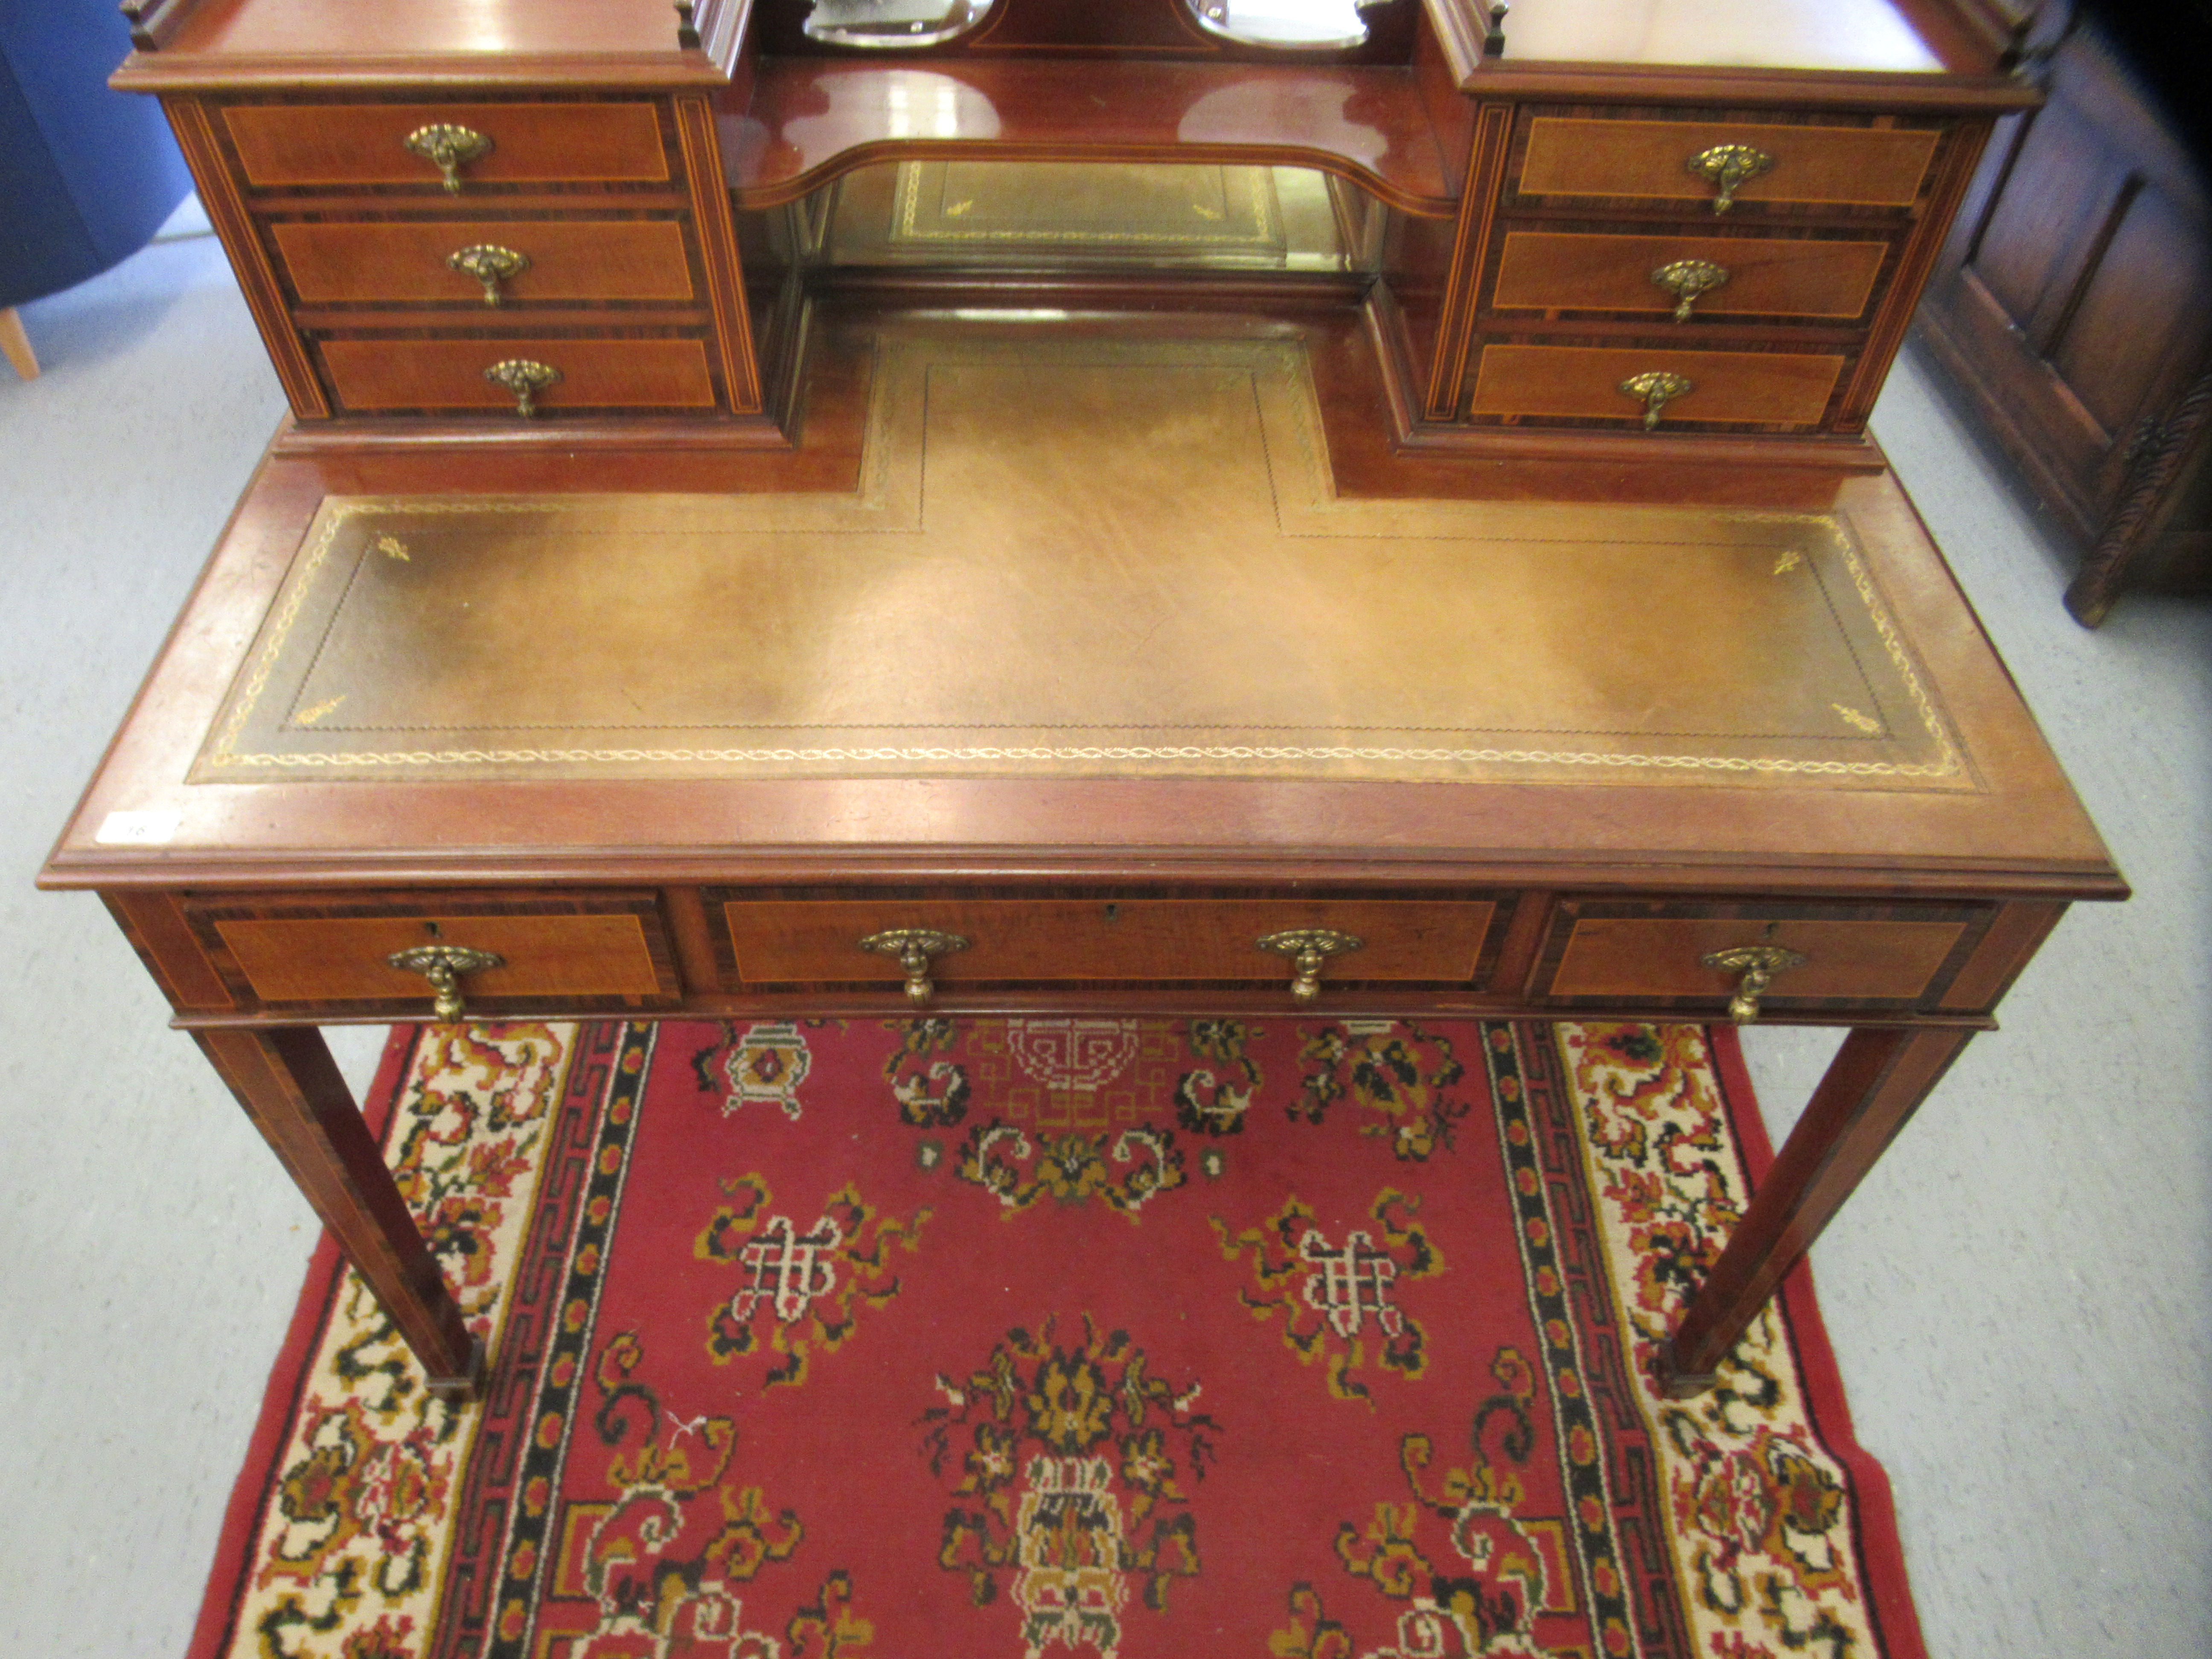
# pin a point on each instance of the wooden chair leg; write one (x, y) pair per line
(17, 344)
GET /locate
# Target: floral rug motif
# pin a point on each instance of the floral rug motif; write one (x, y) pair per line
(1062, 1338)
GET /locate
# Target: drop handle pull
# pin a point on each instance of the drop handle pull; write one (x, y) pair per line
(1686, 279)
(448, 148)
(916, 949)
(1309, 949)
(1654, 390)
(1727, 169)
(491, 265)
(1755, 967)
(524, 379)
(444, 966)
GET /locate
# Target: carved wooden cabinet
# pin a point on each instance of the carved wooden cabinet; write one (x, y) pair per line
(2068, 305)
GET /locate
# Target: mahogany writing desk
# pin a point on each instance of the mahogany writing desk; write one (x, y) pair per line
(1092, 659)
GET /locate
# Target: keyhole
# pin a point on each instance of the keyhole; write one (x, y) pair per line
(1113, 913)
(431, 927)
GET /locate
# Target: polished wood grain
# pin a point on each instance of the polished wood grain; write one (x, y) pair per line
(1616, 957)
(332, 834)
(280, 45)
(1813, 277)
(331, 144)
(325, 959)
(449, 374)
(292, 1091)
(810, 120)
(1573, 155)
(1584, 382)
(397, 262)
(1130, 938)
(1195, 859)
(221, 194)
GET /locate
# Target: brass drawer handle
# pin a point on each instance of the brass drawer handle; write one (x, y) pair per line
(914, 947)
(1756, 964)
(524, 378)
(492, 265)
(448, 148)
(1310, 949)
(1686, 279)
(1726, 166)
(443, 966)
(1654, 389)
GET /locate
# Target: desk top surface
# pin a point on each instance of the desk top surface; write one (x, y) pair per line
(1082, 603)
(448, 38)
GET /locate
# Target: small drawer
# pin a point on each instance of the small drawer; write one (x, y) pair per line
(1738, 388)
(1813, 278)
(1132, 939)
(1649, 161)
(404, 262)
(290, 146)
(608, 952)
(371, 376)
(1878, 957)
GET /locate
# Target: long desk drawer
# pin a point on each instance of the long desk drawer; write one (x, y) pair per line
(1655, 953)
(1134, 939)
(594, 952)
(407, 262)
(305, 146)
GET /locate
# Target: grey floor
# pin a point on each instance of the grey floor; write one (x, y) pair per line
(2019, 1294)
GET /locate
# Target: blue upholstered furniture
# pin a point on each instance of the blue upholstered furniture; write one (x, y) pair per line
(87, 175)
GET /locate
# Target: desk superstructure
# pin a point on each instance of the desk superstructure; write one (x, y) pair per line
(1043, 597)
(1641, 226)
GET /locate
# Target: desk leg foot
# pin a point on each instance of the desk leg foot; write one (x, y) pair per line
(1876, 1080)
(291, 1088)
(1674, 1382)
(470, 1384)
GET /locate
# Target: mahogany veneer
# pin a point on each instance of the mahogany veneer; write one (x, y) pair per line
(266, 895)
(1509, 188)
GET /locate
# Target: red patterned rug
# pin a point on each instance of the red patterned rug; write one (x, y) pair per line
(1024, 1339)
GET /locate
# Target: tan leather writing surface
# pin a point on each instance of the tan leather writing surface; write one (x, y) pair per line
(1082, 559)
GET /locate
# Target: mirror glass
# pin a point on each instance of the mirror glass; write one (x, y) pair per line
(894, 25)
(1314, 24)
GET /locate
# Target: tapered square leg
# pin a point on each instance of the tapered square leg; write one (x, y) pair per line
(292, 1090)
(1872, 1087)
